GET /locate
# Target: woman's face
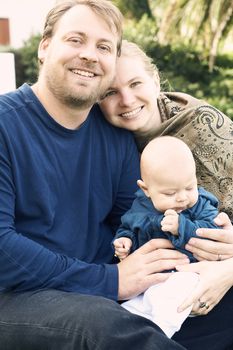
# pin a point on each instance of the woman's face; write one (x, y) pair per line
(131, 101)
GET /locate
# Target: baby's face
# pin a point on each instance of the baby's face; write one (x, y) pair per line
(177, 192)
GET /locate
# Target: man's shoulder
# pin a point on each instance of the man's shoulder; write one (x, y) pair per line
(13, 100)
(99, 119)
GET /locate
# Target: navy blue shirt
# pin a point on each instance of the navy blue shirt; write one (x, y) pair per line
(62, 193)
(143, 221)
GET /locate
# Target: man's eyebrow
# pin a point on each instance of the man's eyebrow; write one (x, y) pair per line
(84, 35)
(75, 33)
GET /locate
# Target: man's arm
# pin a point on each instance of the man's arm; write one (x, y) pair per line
(26, 264)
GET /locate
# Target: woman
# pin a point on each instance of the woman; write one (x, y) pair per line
(136, 103)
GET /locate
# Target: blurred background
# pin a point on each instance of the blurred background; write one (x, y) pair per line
(191, 42)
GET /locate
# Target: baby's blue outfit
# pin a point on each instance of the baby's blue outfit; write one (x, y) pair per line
(142, 222)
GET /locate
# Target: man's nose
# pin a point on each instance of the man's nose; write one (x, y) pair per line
(88, 53)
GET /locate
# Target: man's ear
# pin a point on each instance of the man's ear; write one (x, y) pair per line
(43, 45)
(143, 187)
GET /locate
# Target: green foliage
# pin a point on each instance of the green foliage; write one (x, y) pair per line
(134, 8)
(26, 61)
(142, 32)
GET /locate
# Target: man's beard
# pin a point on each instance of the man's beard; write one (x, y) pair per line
(76, 98)
(73, 101)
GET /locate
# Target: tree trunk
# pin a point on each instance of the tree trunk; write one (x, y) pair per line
(165, 23)
(217, 36)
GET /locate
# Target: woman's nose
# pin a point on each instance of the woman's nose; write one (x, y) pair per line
(127, 99)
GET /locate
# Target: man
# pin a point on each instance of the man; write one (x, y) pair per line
(66, 177)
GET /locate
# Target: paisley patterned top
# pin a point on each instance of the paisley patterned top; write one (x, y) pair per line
(208, 133)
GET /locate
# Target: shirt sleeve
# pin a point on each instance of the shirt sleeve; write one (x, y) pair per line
(137, 225)
(203, 216)
(27, 265)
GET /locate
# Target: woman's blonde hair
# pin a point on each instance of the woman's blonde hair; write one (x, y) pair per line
(130, 49)
(103, 8)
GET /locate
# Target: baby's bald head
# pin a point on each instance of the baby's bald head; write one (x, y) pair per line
(166, 154)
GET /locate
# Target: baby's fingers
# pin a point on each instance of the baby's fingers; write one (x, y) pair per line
(170, 212)
(166, 227)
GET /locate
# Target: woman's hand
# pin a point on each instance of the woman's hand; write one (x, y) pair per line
(215, 279)
(215, 276)
(144, 267)
(219, 242)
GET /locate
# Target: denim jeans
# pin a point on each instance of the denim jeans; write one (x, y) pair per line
(56, 320)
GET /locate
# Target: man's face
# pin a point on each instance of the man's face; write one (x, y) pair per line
(79, 60)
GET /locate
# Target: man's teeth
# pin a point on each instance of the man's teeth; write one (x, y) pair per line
(132, 113)
(83, 73)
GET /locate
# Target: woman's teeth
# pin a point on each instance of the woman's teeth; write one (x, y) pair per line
(131, 113)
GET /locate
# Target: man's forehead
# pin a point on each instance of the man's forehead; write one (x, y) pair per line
(82, 18)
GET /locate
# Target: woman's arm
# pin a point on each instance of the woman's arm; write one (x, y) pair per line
(216, 276)
(219, 242)
(215, 279)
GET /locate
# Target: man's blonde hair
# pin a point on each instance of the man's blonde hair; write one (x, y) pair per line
(103, 8)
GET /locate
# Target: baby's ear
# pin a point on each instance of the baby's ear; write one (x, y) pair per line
(143, 187)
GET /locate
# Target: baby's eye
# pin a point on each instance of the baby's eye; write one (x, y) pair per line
(169, 194)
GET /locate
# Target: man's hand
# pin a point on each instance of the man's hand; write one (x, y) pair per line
(144, 267)
(170, 222)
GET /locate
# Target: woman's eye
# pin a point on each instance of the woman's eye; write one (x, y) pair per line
(109, 93)
(135, 83)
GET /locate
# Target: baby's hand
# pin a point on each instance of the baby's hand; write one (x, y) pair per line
(122, 247)
(170, 222)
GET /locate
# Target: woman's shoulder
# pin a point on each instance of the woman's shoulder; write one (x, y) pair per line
(182, 99)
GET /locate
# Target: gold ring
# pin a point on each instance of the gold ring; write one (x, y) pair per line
(207, 306)
(219, 257)
(202, 304)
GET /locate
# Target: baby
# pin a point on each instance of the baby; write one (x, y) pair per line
(169, 205)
